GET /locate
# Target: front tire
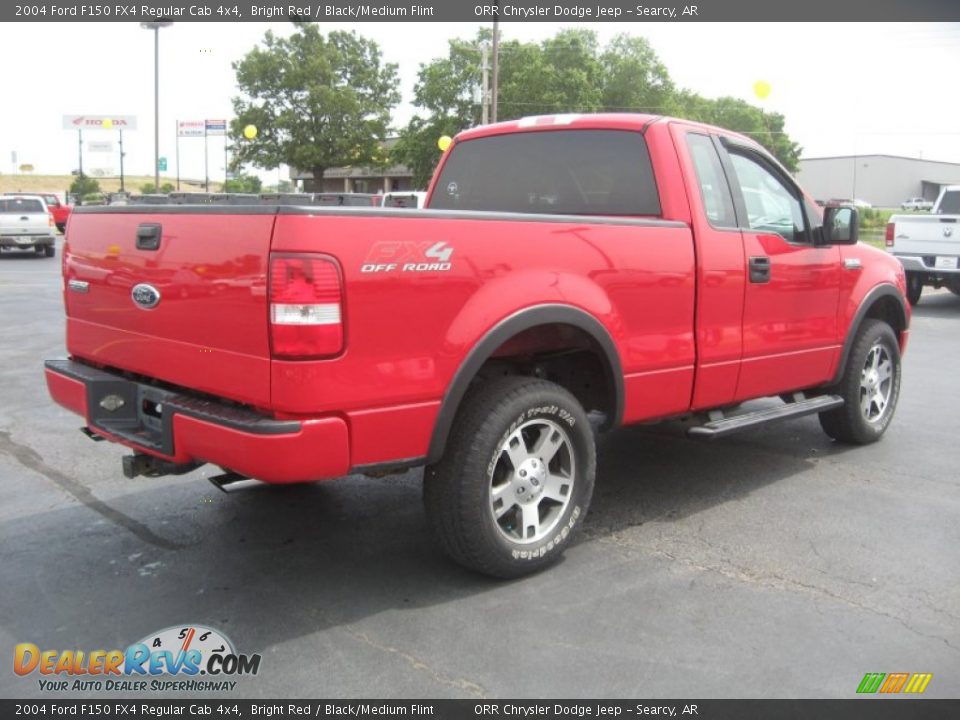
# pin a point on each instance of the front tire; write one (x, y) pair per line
(515, 482)
(914, 287)
(870, 387)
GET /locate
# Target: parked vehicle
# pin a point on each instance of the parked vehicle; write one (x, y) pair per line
(929, 245)
(26, 224)
(60, 211)
(571, 274)
(409, 199)
(916, 203)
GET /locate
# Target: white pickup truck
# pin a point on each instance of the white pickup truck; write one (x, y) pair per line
(929, 245)
(26, 224)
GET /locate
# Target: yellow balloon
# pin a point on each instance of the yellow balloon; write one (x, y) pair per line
(250, 132)
(107, 124)
(444, 142)
(761, 88)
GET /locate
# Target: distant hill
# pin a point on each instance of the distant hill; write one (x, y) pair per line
(59, 183)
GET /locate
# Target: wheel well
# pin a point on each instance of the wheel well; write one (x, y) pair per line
(563, 354)
(889, 311)
(559, 343)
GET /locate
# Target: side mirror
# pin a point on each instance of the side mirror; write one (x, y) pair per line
(841, 225)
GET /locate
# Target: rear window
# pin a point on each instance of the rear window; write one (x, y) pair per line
(21, 205)
(564, 172)
(950, 204)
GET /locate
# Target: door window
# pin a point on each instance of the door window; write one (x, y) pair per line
(770, 204)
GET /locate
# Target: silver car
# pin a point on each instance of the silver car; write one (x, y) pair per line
(26, 224)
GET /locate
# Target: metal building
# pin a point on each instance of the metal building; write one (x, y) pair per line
(882, 180)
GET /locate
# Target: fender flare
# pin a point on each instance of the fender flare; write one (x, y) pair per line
(503, 331)
(869, 300)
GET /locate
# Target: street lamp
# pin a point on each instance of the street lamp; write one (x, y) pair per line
(155, 26)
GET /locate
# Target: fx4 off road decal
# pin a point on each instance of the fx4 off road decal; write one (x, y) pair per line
(400, 256)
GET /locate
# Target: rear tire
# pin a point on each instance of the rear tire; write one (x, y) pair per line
(870, 387)
(515, 482)
(49, 250)
(953, 284)
(914, 287)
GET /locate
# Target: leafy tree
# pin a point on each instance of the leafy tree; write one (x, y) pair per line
(244, 184)
(84, 185)
(316, 101)
(569, 72)
(167, 188)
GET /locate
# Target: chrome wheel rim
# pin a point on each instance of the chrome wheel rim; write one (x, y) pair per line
(531, 481)
(876, 383)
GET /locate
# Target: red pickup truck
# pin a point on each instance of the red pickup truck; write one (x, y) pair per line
(570, 274)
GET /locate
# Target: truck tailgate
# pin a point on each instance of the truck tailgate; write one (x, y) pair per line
(926, 234)
(208, 329)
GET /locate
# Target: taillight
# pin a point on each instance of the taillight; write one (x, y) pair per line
(888, 237)
(306, 304)
(50, 221)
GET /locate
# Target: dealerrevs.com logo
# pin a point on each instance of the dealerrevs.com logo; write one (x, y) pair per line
(181, 658)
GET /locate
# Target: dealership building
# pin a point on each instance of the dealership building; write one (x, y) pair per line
(881, 180)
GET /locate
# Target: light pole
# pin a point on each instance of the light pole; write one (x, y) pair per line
(155, 26)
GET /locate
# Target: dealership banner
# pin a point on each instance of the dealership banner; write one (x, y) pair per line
(216, 127)
(190, 128)
(624, 11)
(96, 122)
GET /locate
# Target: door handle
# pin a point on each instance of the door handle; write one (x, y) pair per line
(148, 236)
(759, 269)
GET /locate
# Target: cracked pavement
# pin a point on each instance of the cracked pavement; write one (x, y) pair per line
(770, 564)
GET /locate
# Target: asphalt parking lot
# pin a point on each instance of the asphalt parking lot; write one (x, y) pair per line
(773, 564)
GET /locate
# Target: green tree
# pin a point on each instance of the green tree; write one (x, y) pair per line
(569, 72)
(84, 185)
(317, 101)
(244, 184)
(167, 188)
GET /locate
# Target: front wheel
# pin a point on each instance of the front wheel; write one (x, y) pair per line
(870, 387)
(516, 479)
(914, 287)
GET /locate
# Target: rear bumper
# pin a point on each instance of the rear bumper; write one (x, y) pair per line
(923, 263)
(182, 428)
(26, 241)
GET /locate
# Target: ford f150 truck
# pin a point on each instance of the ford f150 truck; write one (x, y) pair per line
(570, 274)
(929, 245)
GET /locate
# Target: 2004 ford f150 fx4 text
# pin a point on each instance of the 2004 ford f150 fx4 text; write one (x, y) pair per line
(570, 274)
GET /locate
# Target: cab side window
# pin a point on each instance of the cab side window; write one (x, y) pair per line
(714, 190)
(770, 204)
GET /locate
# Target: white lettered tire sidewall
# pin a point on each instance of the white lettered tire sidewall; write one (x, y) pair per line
(457, 490)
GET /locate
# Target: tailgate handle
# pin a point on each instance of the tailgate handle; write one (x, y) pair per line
(148, 236)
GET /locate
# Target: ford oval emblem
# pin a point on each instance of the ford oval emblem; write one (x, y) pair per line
(145, 296)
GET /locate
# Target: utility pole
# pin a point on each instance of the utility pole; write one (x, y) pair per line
(80, 145)
(155, 26)
(485, 86)
(496, 67)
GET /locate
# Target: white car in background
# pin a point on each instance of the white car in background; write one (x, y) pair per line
(409, 199)
(26, 224)
(916, 203)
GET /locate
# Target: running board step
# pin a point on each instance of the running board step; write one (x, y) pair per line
(728, 425)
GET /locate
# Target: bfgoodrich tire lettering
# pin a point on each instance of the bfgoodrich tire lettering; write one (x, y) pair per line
(870, 387)
(516, 480)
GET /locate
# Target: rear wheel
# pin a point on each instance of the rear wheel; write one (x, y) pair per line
(49, 250)
(870, 387)
(953, 284)
(914, 287)
(516, 480)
